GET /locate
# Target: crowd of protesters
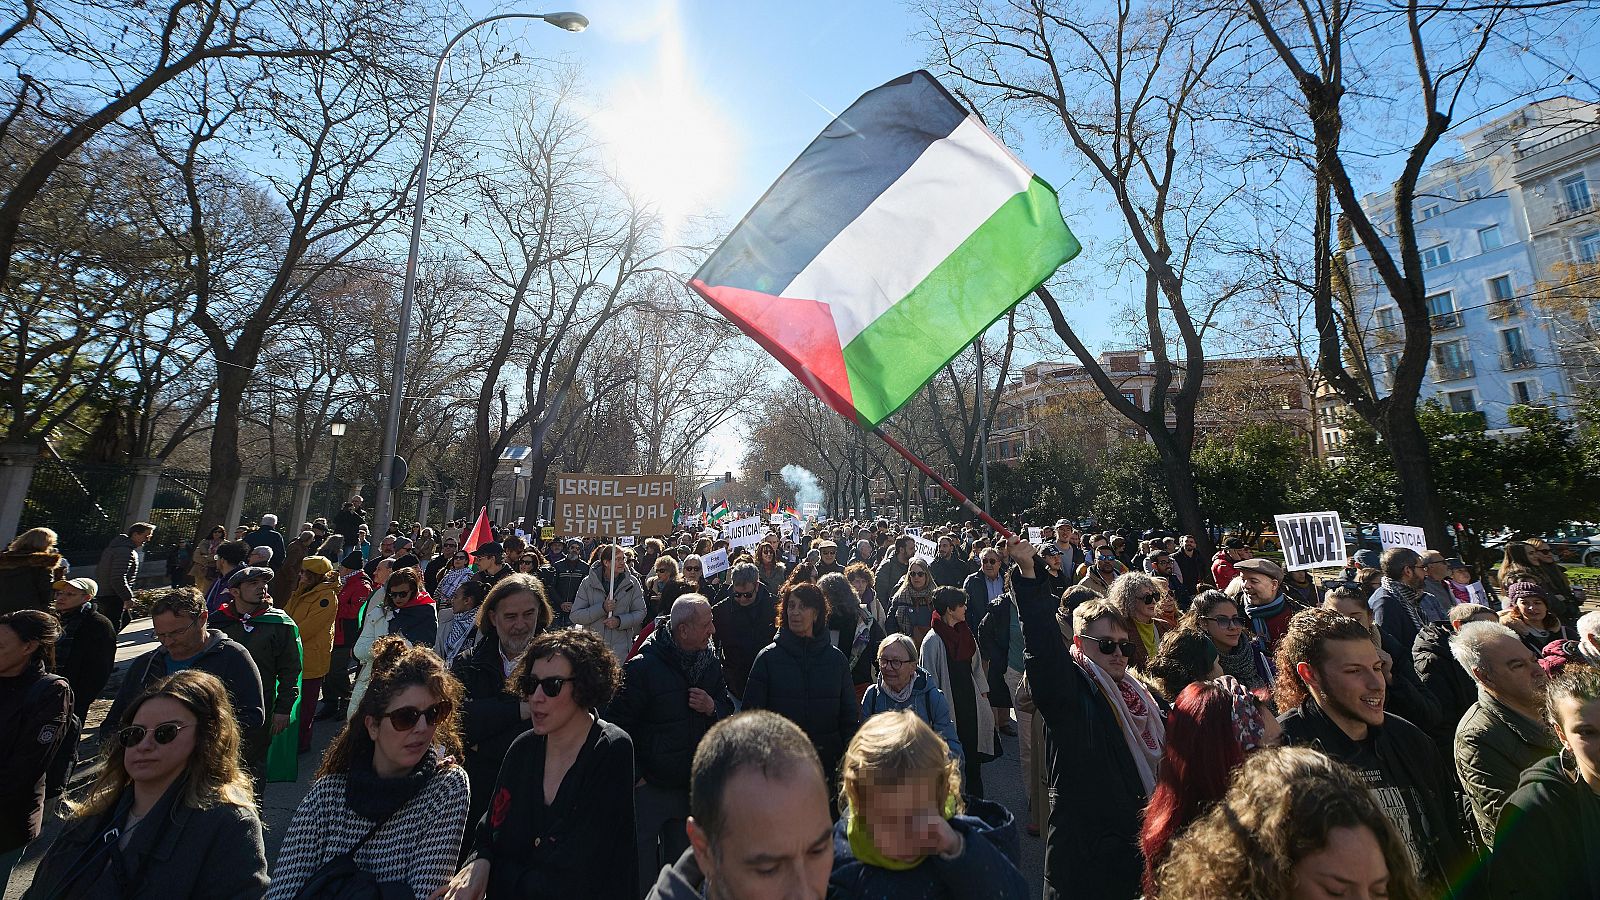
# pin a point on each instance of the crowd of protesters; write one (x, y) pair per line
(534, 717)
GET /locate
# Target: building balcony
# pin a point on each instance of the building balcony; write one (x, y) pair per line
(1445, 321)
(1562, 210)
(1453, 371)
(1504, 309)
(1517, 360)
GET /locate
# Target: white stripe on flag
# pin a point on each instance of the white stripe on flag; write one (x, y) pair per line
(913, 226)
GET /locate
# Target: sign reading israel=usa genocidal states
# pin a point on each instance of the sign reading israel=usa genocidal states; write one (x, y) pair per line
(1311, 540)
(612, 505)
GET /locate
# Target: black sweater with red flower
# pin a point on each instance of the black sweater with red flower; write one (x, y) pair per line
(582, 845)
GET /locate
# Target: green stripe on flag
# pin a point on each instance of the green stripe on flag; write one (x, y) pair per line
(1015, 250)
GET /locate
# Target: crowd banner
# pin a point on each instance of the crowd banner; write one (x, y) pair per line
(1311, 540)
(1035, 535)
(613, 505)
(714, 563)
(1407, 536)
(743, 532)
(810, 510)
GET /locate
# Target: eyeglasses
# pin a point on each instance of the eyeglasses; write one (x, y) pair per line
(176, 632)
(551, 686)
(399, 595)
(1109, 646)
(1226, 621)
(745, 595)
(133, 735)
(405, 718)
(891, 663)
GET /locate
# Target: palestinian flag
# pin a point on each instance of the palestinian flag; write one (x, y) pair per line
(718, 512)
(677, 516)
(899, 235)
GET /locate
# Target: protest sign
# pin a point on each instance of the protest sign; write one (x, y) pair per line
(914, 530)
(610, 505)
(743, 532)
(1407, 536)
(1035, 535)
(714, 563)
(625, 540)
(810, 510)
(547, 533)
(777, 518)
(926, 549)
(520, 533)
(1311, 540)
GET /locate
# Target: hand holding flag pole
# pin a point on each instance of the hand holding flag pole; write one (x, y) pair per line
(897, 237)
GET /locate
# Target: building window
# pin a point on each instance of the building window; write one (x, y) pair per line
(1522, 392)
(1450, 361)
(1489, 238)
(1472, 194)
(1435, 256)
(1442, 308)
(1461, 401)
(1514, 351)
(1500, 288)
(1431, 210)
(1388, 317)
(1589, 247)
(1133, 397)
(1575, 191)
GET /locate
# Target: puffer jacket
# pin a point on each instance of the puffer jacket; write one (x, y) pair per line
(742, 632)
(588, 609)
(118, 568)
(986, 867)
(653, 708)
(1444, 678)
(27, 580)
(807, 680)
(1544, 842)
(926, 700)
(314, 610)
(1494, 746)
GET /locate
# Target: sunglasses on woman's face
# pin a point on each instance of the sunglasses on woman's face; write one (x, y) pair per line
(405, 718)
(1109, 646)
(1228, 621)
(551, 686)
(165, 733)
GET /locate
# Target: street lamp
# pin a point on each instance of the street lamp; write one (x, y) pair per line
(568, 21)
(336, 431)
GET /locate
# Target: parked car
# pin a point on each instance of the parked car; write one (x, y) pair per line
(1575, 543)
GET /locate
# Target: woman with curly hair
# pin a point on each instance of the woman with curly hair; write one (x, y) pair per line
(565, 791)
(1294, 824)
(171, 814)
(389, 791)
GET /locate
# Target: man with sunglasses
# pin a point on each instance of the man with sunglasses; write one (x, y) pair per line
(273, 641)
(436, 567)
(178, 619)
(745, 623)
(828, 561)
(672, 693)
(1103, 737)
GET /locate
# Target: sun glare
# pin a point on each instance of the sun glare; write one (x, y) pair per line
(666, 140)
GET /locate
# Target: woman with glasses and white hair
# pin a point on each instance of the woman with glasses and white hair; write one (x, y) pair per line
(903, 684)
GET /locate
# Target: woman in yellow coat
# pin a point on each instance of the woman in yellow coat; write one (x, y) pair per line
(314, 608)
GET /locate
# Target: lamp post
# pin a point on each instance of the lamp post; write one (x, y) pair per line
(569, 21)
(336, 431)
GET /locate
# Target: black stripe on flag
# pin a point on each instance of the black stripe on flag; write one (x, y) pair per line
(855, 159)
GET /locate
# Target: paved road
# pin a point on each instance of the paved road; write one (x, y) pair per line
(1001, 779)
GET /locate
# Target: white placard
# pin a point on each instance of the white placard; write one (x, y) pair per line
(625, 540)
(776, 518)
(714, 563)
(1311, 540)
(1407, 536)
(810, 510)
(926, 549)
(1035, 535)
(743, 532)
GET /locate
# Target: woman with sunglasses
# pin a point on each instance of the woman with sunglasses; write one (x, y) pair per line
(773, 572)
(460, 570)
(171, 813)
(561, 819)
(389, 790)
(663, 587)
(911, 609)
(1137, 596)
(1239, 651)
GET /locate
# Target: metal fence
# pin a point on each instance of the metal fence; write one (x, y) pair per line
(82, 502)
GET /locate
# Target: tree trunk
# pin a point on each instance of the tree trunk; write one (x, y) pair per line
(226, 467)
(1177, 464)
(1419, 500)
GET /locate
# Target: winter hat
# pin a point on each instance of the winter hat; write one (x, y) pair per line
(352, 560)
(1521, 589)
(1367, 559)
(317, 565)
(1557, 654)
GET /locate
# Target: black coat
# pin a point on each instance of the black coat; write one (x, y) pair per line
(85, 655)
(949, 571)
(742, 631)
(230, 662)
(1545, 843)
(653, 708)
(269, 537)
(977, 589)
(808, 681)
(1400, 747)
(1092, 841)
(1444, 678)
(987, 866)
(580, 846)
(565, 577)
(35, 709)
(865, 668)
(27, 580)
(185, 852)
(994, 642)
(491, 717)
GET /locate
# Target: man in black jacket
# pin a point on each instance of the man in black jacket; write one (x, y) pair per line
(570, 571)
(746, 622)
(1331, 682)
(268, 535)
(672, 693)
(1443, 677)
(178, 619)
(87, 650)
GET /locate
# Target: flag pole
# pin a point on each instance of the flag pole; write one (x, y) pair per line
(960, 498)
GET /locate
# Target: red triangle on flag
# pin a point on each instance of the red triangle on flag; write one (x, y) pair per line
(480, 533)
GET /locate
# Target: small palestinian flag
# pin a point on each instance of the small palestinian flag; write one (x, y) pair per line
(901, 234)
(718, 512)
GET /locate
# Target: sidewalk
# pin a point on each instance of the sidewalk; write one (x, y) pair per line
(277, 806)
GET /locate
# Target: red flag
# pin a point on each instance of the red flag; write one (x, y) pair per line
(480, 534)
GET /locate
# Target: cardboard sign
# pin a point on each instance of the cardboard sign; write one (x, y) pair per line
(926, 549)
(714, 563)
(625, 540)
(613, 505)
(1407, 536)
(1311, 540)
(1035, 535)
(776, 518)
(743, 532)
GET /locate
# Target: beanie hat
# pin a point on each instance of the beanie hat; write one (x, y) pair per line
(1521, 589)
(352, 560)
(317, 565)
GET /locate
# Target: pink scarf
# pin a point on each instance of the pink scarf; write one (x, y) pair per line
(1136, 713)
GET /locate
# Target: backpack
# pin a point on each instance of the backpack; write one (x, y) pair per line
(341, 878)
